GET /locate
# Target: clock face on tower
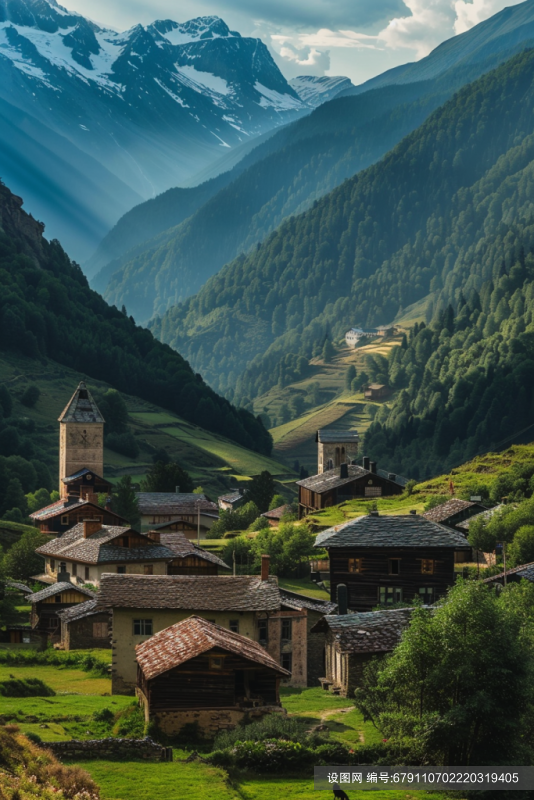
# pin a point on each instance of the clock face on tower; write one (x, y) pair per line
(84, 437)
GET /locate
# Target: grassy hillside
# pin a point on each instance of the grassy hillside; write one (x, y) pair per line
(213, 461)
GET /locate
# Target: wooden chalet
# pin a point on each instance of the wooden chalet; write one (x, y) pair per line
(84, 626)
(345, 483)
(46, 604)
(198, 672)
(86, 485)
(525, 572)
(385, 560)
(352, 640)
(274, 517)
(64, 514)
(188, 557)
(160, 508)
(376, 391)
(454, 511)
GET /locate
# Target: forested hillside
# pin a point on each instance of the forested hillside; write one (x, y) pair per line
(438, 214)
(48, 310)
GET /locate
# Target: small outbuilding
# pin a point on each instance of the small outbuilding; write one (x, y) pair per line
(46, 604)
(376, 391)
(85, 627)
(515, 575)
(189, 558)
(274, 517)
(454, 511)
(197, 672)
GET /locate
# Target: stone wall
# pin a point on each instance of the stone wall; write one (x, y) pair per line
(110, 749)
(209, 721)
(78, 634)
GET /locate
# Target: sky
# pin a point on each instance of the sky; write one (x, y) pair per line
(356, 38)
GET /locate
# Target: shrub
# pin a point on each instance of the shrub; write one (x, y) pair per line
(123, 443)
(30, 396)
(130, 723)
(104, 715)
(273, 726)
(27, 658)
(34, 737)
(25, 687)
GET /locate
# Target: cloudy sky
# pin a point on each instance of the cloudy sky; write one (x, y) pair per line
(357, 38)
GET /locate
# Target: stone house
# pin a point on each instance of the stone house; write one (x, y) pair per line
(158, 508)
(231, 501)
(352, 640)
(335, 448)
(91, 549)
(46, 605)
(198, 672)
(312, 610)
(85, 627)
(62, 515)
(384, 560)
(354, 336)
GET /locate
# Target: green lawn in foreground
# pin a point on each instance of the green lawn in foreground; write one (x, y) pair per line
(302, 789)
(61, 679)
(311, 701)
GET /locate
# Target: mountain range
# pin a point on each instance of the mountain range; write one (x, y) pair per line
(287, 173)
(97, 120)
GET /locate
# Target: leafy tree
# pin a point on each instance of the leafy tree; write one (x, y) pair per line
(114, 411)
(124, 501)
(166, 477)
(238, 520)
(37, 500)
(289, 547)
(260, 490)
(14, 497)
(297, 405)
(328, 351)
(198, 490)
(350, 375)
(124, 443)
(21, 561)
(521, 551)
(277, 501)
(30, 396)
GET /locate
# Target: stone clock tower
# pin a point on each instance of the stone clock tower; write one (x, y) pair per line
(81, 437)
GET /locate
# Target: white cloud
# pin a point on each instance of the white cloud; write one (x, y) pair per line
(429, 23)
(470, 14)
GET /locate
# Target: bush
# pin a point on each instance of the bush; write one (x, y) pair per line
(130, 723)
(34, 737)
(273, 726)
(123, 443)
(25, 687)
(31, 396)
(259, 524)
(104, 715)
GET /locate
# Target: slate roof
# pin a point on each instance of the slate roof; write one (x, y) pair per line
(409, 530)
(57, 588)
(398, 478)
(182, 547)
(20, 587)
(81, 407)
(297, 601)
(487, 514)
(331, 478)
(81, 473)
(172, 503)
(523, 571)
(369, 632)
(195, 592)
(191, 638)
(335, 437)
(80, 610)
(231, 497)
(95, 549)
(277, 513)
(448, 509)
(65, 507)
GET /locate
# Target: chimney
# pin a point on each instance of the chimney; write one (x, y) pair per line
(344, 471)
(342, 599)
(265, 567)
(155, 536)
(372, 467)
(177, 489)
(63, 577)
(91, 526)
(392, 476)
(366, 462)
(413, 512)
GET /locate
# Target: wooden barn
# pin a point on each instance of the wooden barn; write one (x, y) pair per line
(46, 604)
(351, 640)
(199, 672)
(189, 558)
(384, 560)
(454, 511)
(85, 627)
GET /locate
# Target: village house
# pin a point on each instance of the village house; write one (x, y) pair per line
(161, 508)
(274, 517)
(188, 557)
(46, 604)
(376, 391)
(335, 448)
(197, 672)
(314, 610)
(515, 575)
(352, 640)
(454, 511)
(90, 549)
(354, 336)
(231, 500)
(85, 485)
(346, 483)
(85, 627)
(64, 514)
(385, 560)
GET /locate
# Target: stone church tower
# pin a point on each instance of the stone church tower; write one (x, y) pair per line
(335, 448)
(81, 437)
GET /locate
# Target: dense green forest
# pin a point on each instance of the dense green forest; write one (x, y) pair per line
(48, 311)
(437, 215)
(281, 177)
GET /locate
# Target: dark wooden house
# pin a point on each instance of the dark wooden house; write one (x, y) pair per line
(344, 483)
(84, 626)
(377, 391)
(63, 515)
(352, 640)
(385, 560)
(189, 558)
(198, 672)
(86, 485)
(454, 511)
(46, 604)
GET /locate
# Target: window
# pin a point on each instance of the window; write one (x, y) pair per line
(74, 570)
(234, 625)
(355, 564)
(142, 627)
(262, 631)
(65, 519)
(87, 573)
(287, 661)
(287, 625)
(57, 598)
(394, 566)
(427, 566)
(148, 569)
(216, 662)
(373, 491)
(389, 595)
(427, 595)
(121, 569)
(53, 564)
(63, 566)
(100, 630)
(125, 541)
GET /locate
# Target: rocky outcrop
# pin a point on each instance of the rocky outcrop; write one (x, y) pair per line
(19, 225)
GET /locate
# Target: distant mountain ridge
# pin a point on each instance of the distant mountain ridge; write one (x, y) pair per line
(152, 105)
(318, 90)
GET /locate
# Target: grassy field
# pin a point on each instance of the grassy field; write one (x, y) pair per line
(303, 586)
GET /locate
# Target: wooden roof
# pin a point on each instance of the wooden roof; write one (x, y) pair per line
(191, 638)
(57, 588)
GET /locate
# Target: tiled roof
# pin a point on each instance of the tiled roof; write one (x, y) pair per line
(331, 478)
(172, 503)
(277, 513)
(182, 547)
(370, 632)
(377, 386)
(59, 507)
(191, 638)
(523, 571)
(397, 479)
(81, 473)
(232, 497)
(96, 550)
(297, 601)
(448, 509)
(335, 437)
(81, 407)
(487, 514)
(194, 592)
(57, 588)
(20, 587)
(409, 530)
(80, 610)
